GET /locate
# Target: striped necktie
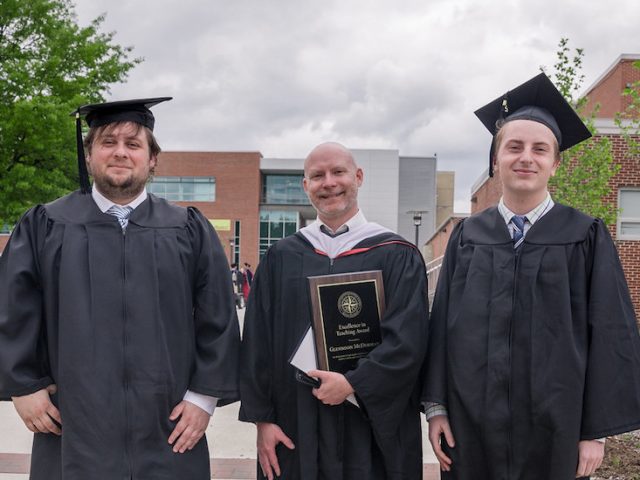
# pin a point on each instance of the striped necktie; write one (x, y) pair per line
(518, 222)
(121, 213)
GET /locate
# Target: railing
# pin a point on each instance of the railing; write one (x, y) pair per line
(433, 272)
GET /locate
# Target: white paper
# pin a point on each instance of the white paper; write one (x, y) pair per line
(305, 359)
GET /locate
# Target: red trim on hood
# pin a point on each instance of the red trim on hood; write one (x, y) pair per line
(355, 251)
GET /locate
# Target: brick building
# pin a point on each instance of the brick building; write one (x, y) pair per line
(224, 186)
(625, 185)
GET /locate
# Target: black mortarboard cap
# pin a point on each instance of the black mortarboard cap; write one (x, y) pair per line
(540, 101)
(99, 114)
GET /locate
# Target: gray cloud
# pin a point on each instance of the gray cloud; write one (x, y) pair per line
(281, 76)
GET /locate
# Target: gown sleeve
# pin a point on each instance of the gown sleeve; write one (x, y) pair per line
(434, 388)
(387, 378)
(23, 366)
(256, 379)
(612, 384)
(217, 334)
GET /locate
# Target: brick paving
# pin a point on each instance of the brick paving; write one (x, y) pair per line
(14, 462)
(221, 468)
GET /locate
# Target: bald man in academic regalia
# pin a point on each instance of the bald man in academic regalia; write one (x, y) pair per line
(118, 334)
(534, 353)
(313, 433)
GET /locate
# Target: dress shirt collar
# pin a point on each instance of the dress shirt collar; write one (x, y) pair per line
(533, 216)
(354, 222)
(105, 204)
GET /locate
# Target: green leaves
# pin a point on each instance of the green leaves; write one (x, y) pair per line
(49, 65)
(629, 120)
(582, 179)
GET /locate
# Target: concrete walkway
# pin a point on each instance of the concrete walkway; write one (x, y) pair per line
(231, 443)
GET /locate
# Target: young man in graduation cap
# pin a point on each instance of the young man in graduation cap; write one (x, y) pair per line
(118, 333)
(534, 354)
(310, 433)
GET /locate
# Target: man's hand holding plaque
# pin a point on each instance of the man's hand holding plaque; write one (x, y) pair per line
(334, 387)
(346, 311)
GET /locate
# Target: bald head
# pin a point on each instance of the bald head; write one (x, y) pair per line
(329, 150)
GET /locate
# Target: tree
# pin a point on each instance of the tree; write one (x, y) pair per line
(582, 179)
(49, 65)
(629, 120)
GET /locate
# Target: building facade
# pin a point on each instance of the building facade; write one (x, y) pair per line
(254, 201)
(224, 186)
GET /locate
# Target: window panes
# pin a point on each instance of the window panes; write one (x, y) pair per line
(275, 225)
(184, 189)
(290, 228)
(283, 190)
(629, 216)
(631, 229)
(276, 229)
(630, 203)
(236, 241)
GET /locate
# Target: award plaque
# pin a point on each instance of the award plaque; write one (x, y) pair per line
(347, 309)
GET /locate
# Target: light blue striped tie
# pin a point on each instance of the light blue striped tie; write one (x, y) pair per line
(518, 229)
(121, 213)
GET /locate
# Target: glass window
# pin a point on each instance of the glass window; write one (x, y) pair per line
(236, 241)
(283, 190)
(276, 229)
(184, 189)
(631, 229)
(275, 225)
(630, 203)
(290, 228)
(629, 215)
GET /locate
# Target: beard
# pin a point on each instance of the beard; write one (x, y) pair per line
(120, 190)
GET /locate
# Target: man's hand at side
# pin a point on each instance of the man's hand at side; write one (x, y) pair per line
(269, 436)
(190, 428)
(37, 412)
(438, 426)
(590, 455)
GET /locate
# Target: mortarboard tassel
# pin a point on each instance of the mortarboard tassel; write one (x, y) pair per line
(85, 186)
(504, 110)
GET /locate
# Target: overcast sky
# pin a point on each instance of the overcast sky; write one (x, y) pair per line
(281, 76)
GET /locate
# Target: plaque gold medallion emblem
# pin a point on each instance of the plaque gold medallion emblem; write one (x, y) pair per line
(349, 304)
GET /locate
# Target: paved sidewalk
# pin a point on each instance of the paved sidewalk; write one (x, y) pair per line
(231, 442)
(17, 464)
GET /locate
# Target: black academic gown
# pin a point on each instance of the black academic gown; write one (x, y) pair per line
(383, 439)
(123, 324)
(532, 350)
